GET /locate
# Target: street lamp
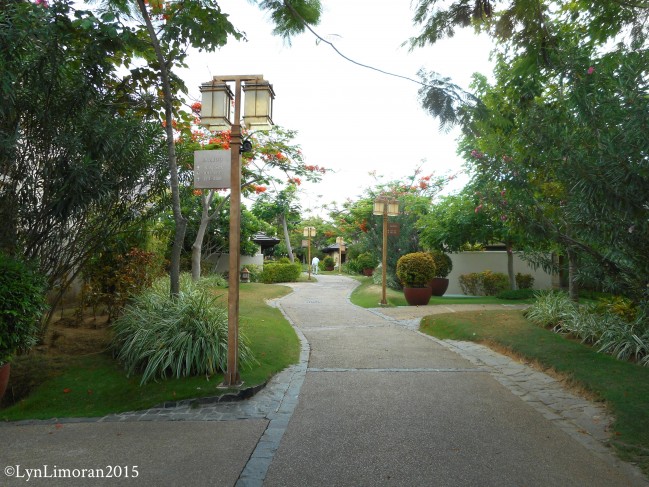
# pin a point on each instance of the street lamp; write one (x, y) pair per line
(340, 242)
(217, 98)
(309, 232)
(387, 207)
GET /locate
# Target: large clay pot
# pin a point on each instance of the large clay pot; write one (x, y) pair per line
(438, 286)
(417, 296)
(4, 379)
(368, 272)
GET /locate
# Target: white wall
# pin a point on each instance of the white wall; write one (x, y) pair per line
(223, 261)
(495, 261)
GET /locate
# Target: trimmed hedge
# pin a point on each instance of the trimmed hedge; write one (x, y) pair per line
(484, 283)
(273, 273)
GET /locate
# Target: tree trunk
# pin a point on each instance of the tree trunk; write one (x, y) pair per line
(197, 247)
(179, 220)
(573, 287)
(282, 218)
(510, 268)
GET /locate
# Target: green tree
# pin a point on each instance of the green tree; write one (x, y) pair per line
(78, 162)
(167, 31)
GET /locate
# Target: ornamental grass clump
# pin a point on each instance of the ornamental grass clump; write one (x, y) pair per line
(160, 337)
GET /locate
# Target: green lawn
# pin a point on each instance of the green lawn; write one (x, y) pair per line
(368, 295)
(96, 385)
(623, 386)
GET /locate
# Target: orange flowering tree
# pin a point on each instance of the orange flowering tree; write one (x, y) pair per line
(275, 163)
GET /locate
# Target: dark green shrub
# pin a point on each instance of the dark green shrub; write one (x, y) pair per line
(22, 304)
(415, 269)
(516, 294)
(443, 263)
(328, 263)
(366, 261)
(280, 273)
(524, 281)
(283, 260)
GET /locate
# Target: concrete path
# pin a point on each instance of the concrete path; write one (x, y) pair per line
(372, 402)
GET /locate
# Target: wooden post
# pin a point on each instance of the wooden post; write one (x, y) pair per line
(384, 265)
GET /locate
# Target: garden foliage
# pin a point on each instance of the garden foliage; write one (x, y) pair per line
(415, 269)
(160, 336)
(623, 335)
(280, 272)
(485, 283)
(22, 304)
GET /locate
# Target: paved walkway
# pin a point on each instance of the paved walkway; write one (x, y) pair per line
(372, 402)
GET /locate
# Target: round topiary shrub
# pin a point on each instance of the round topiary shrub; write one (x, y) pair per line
(443, 263)
(366, 261)
(415, 269)
(328, 263)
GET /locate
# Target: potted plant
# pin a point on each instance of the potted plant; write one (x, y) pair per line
(415, 270)
(22, 303)
(443, 267)
(366, 262)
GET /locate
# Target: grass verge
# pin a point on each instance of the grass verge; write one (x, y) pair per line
(368, 295)
(95, 384)
(623, 386)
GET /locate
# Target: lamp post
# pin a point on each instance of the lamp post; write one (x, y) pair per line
(387, 207)
(217, 99)
(309, 232)
(340, 242)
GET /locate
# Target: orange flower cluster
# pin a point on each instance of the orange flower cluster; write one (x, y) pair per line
(196, 107)
(319, 169)
(297, 181)
(259, 189)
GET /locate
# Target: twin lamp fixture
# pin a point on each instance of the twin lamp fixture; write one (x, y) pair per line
(217, 99)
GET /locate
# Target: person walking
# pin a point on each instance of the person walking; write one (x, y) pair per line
(314, 264)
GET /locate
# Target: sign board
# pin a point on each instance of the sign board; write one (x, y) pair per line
(212, 169)
(305, 243)
(394, 230)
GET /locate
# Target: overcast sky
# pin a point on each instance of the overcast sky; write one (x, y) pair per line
(350, 119)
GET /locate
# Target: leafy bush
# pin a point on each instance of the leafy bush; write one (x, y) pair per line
(484, 283)
(415, 269)
(254, 270)
(283, 260)
(22, 304)
(618, 305)
(280, 273)
(188, 335)
(327, 263)
(443, 263)
(494, 282)
(471, 284)
(516, 294)
(111, 279)
(366, 261)
(524, 281)
(391, 280)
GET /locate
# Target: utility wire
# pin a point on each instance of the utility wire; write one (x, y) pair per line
(331, 44)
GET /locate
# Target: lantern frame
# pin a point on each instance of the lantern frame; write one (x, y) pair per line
(216, 105)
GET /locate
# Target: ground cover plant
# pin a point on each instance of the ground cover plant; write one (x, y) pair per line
(623, 386)
(73, 374)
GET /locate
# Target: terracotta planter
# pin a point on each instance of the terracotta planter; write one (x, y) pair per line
(417, 296)
(438, 285)
(368, 272)
(328, 268)
(4, 379)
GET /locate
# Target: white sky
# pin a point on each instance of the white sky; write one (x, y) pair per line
(350, 119)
